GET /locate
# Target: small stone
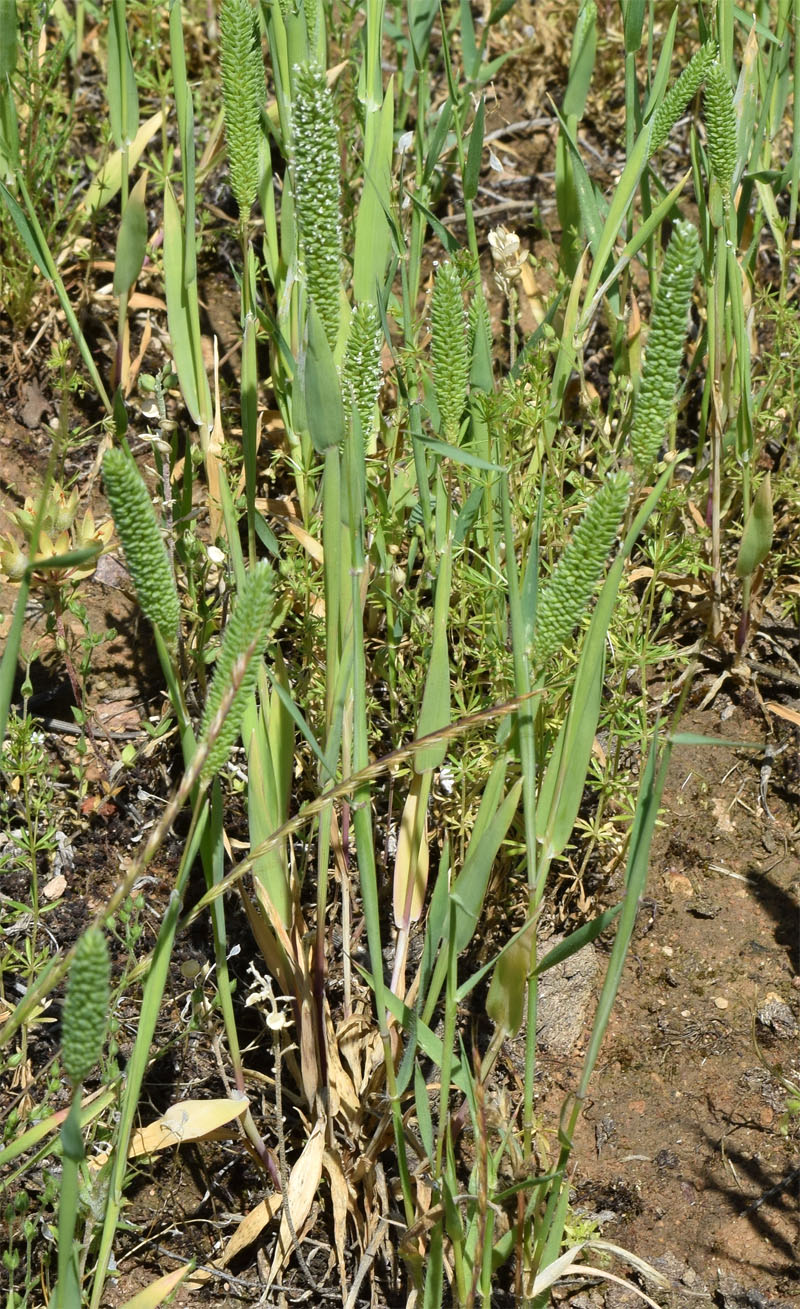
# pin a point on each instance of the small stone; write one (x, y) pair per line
(721, 1002)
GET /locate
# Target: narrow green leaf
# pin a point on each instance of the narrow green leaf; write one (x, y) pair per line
(8, 38)
(183, 315)
(508, 989)
(696, 738)
(132, 239)
(756, 540)
(423, 1106)
(577, 940)
(123, 99)
(435, 711)
(624, 193)
(581, 65)
(38, 253)
(469, 889)
(565, 776)
(499, 11)
(184, 112)
(472, 168)
(661, 78)
(323, 397)
(266, 812)
(458, 455)
(447, 239)
(632, 24)
(421, 16)
(468, 514)
(108, 180)
(373, 234)
(436, 142)
(9, 131)
(69, 559)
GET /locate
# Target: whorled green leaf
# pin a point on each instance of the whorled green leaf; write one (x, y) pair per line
(237, 666)
(566, 594)
(654, 403)
(242, 96)
(145, 552)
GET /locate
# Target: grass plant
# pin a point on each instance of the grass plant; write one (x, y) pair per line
(447, 591)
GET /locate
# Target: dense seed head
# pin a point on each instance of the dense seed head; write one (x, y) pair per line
(721, 128)
(361, 369)
(83, 1025)
(242, 96)
(655, 401)
(679, 95)
(449, 349)
(237, 666)
(145, 553)
(568, 591)
(315, 150)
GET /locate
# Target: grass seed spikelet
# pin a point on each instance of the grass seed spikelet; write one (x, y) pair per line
(449, 349)
(83, 1025)
(720, 118)
(568, 591)
(238, 661)
(315, 152)
(654, 403)
(679, 95)
(242, 97)
(140, 534)
(361, 370)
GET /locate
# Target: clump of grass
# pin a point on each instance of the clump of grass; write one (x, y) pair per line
(415, 562)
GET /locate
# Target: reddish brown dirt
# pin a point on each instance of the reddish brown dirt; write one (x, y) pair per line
(680, 1143)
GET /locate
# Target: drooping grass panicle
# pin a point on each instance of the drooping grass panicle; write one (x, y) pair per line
(449, 348)
(315, 153)
(654, 403)
(242, 97)
(361, 370)
(238, 661)
(679, 95)
(567, 592)
(85, 1017)
(720, 116)
(145, 552)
